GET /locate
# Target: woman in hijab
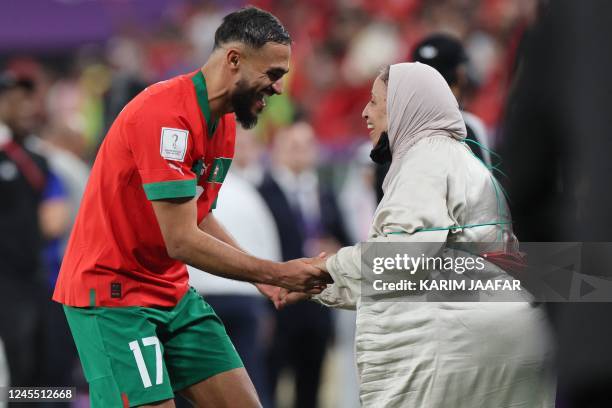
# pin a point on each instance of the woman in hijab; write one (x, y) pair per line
(435, 354)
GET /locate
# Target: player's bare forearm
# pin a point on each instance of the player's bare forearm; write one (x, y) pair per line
(208, 253)
(213, 227)
(188, 243)
(192, 245)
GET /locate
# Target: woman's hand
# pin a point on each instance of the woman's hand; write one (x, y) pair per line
(286, 297)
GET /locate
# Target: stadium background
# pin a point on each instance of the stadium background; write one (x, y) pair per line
(77, 49)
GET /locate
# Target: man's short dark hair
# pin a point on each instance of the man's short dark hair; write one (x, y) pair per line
(251, 26)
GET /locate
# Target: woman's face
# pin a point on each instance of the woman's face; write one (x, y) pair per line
(375, 112)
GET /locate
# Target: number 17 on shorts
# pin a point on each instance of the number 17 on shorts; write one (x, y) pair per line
(140, 362)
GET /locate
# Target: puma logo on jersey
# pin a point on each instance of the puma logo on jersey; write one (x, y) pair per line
(177, 168)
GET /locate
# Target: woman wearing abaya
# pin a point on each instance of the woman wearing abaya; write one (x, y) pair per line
(436, 354)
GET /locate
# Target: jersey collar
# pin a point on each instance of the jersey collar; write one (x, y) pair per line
(202, 93)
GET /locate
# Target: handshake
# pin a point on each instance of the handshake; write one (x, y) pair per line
(297, 280)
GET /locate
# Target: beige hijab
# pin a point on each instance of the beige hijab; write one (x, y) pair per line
(419, 104)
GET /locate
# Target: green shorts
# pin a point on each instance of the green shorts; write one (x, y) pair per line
(138, 355)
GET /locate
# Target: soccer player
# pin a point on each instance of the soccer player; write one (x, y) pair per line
(141, 332)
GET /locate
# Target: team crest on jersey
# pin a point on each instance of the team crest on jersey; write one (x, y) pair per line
(219, 171)
(220, 168)
(173, 145)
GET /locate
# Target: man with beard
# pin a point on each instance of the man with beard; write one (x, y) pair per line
(141, 332)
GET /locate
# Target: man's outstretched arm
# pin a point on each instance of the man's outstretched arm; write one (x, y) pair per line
(189, 244)
(212, 226)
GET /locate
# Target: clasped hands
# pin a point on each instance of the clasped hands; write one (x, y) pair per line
(304, 277)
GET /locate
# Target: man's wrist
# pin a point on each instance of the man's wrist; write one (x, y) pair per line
(266, 272)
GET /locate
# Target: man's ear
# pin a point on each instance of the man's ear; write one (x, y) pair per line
(233, 58)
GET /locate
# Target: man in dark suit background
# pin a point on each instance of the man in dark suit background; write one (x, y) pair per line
(309, 222)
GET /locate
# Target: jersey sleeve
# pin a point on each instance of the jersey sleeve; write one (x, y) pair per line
(162, 147)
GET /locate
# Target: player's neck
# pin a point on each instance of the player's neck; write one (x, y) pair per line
(216, 85)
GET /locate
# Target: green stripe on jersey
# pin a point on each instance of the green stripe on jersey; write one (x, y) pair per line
(202, 93)
(170, 189)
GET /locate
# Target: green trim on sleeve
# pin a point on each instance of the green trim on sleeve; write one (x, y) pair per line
(92, 297)
(170, 189)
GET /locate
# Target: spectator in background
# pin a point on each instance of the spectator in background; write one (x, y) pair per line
(54, 213)
(243, 310)
(247, 164)
(24, 179)
(123, 88)
(446, 54)
(357, 198)
(63, 146)
(358, 203)
(59, 355)
(60, 145)
(127, 81)
(308, 221)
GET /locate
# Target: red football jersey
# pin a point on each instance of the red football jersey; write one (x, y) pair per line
(161, 146)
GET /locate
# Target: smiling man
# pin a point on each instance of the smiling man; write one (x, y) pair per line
(141, 332)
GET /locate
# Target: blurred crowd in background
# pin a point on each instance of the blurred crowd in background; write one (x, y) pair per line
(339, 46)
(302, 178)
